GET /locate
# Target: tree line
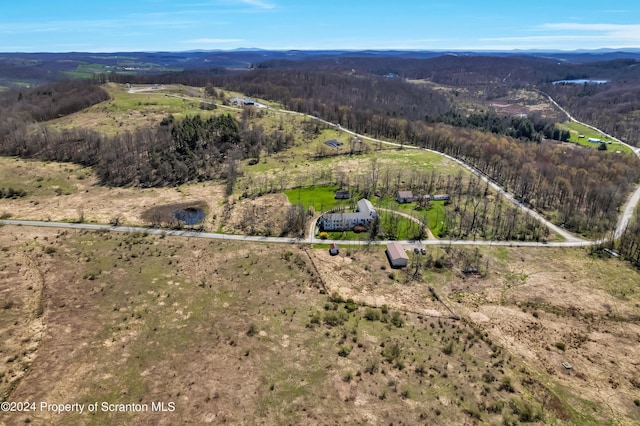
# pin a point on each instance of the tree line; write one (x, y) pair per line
(175, 152)
(22, 107)
(531, 128)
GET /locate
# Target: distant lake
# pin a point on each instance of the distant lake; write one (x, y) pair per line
(581, 81)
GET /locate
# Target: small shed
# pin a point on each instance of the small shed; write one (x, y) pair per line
(397, 256)
(405, 197)
(440, 197)
(333, 249)
(342, 194)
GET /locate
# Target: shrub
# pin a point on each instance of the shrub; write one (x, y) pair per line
(397, 320)
(252, 330)
(344, 351)
(350, 305)
(371, 368)
(506, 385)
(561, 346)
(372, 314)
(392, 352)
(334, 318)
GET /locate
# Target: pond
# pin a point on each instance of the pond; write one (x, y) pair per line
(190, 215)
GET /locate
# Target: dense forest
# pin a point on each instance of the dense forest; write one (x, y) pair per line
(532, 128)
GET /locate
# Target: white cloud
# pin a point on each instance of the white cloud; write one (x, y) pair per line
(572, 35)
(259, 3)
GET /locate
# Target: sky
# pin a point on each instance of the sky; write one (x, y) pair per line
(170, 25)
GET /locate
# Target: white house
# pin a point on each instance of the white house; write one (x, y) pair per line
(346, 221)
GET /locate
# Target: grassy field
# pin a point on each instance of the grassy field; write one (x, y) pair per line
(321, 198)
(577, 130)
(254, 333)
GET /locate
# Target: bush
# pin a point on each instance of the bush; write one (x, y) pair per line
(372, 314)
(334, 319)
(506, 385)
(350, 305)
(344, 351)
(561, 346)
(448, 348)
(371, 368)
(252, 330)
(397, 320)
(392, 352)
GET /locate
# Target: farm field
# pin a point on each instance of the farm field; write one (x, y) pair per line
(578, 129)
(311, 337)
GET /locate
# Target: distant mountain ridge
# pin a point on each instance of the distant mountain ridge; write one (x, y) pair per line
(36, 68)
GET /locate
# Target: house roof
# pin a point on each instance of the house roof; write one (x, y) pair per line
(405, 194)
(365, 208)
(396, 251)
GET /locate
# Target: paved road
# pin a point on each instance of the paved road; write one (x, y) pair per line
(260, 239)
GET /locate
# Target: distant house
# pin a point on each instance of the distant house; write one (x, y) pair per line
(346, 221)
(594, 140)
(342, 194)
(405, 197)
(333, 249)
(397, 256)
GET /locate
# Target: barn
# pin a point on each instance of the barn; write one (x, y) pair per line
(397, 256)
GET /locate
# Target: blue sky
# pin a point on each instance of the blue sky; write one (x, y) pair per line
(166, 25)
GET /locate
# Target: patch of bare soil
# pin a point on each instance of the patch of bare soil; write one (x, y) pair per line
(524, 102)
(367, 278)
(557, 310)
(543, 307)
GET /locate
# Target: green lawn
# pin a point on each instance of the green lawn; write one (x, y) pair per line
(322, 198)
(578, 130)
